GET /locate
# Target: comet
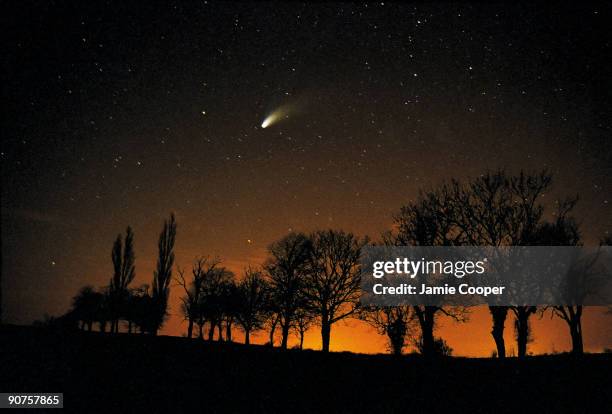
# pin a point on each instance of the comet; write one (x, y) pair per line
(276, 116)
(270, 119)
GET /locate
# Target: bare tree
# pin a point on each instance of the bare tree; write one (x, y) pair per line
(163, 274)
(572, 315)
(496, 209)
(212, 306)
(252, 304)
(431, 220)
(393, 321)
(486, 218)
(564, 232)
(272, 321)
(527, 191)
(302, 322)
(332, 282)
(286, 268)
(194, 288)
(230, 302)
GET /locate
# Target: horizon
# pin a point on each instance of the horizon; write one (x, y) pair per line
(353, 335)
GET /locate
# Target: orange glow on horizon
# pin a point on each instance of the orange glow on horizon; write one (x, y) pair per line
(550, 335)
(472, 338)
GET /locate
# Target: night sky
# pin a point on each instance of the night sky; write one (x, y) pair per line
(118, 113)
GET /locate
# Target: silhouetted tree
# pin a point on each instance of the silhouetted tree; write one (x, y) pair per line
(124, 272)
(212, 301)
(272, 321)
(142, 307)
(427, 316)
(86, 306)
(252, 304)
(303, 319)
(392, 321)
(494, 209)
(163, 275)
(527, 191)
(498, 316)
(105, 313)
(229, 301)
(500, 210)
(132, 312)
(564, 232)
(431, 220)
(331, 285)
(194, 290)
(487, 218)
(286, 268)
(522, 327)
(572, 315)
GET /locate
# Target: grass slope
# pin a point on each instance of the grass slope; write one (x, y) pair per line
(123, 373)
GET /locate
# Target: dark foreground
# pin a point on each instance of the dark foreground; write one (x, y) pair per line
(165, 374)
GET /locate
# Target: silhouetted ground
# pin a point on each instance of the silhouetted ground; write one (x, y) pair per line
(124, 373)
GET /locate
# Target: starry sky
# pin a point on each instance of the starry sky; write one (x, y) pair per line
(118, 113)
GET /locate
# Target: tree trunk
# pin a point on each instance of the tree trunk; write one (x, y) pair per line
(190, 328)
(426, 321)
(247, 337)
(220, 328)
(575, 325)
(577, 345)
(211, 331)
(522, 333)
(499, 314)
(325, 335)
(285, 332)
(272, 330)
(302, 339)
(130, 327)
(429, 347)
(397, 343)
(228, 330)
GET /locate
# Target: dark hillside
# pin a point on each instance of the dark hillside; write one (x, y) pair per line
(163, 374)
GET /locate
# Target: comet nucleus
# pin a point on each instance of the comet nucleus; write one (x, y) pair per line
(268, 121)
(275, 116)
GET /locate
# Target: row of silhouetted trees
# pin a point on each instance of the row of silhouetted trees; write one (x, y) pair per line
(494, 209)
(314, 279)
(144, 309)
(306, 279)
